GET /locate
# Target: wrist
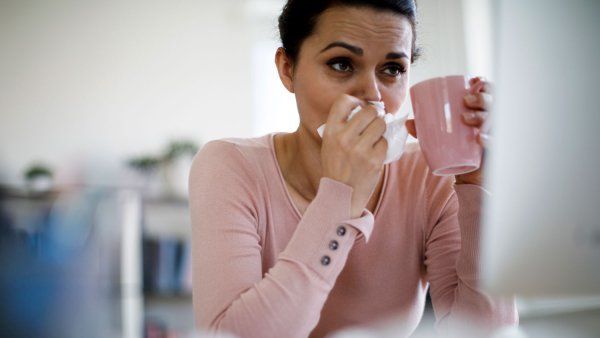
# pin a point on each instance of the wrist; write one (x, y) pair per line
(468, 179)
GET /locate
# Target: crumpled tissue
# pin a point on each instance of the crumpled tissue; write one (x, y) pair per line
(395, 132)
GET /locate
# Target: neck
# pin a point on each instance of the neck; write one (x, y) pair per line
(300, 161)
(299, 158)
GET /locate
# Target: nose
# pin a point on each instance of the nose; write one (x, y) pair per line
(367, 88)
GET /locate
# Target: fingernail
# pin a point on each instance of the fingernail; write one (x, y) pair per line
(470, 116)
(471, 98)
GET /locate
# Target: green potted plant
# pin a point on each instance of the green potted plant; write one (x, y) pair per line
(148, 168)
(179, 149)
(178, 161)
(39, 178)
(145, 164)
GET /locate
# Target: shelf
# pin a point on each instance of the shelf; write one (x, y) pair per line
(540, 307)
(174, 312)
(167, 218)
(156, 298)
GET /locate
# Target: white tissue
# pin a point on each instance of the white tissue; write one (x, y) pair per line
(395, 132)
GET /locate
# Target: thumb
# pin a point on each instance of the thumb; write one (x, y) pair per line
(411, 127)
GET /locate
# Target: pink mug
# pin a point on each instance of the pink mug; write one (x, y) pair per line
(449, 145)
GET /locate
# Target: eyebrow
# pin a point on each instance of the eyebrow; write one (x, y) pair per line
(359, 51)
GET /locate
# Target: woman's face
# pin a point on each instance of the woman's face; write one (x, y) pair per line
(356, 51)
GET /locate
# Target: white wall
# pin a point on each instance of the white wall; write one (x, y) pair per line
(479, 36)
(441, 36)
(111, 79)
(117, 78)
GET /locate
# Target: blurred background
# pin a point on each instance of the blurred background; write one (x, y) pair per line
(110, 80)
(102, 106)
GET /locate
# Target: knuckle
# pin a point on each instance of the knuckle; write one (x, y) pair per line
(344, 141)
(478, 102)
(366, 113)
(371, 112)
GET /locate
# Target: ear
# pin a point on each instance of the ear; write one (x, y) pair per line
(285, 68)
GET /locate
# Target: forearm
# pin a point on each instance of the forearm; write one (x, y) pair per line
(287, 301)
(471, 304)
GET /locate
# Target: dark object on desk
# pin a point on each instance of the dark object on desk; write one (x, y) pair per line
(27, 287)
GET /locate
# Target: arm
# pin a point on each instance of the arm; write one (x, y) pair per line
(452, 256)
(230, 293)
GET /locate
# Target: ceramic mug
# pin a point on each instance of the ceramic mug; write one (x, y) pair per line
(449, 145)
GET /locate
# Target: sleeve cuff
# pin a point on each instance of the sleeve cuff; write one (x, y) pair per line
(325, 234)
(364, 223)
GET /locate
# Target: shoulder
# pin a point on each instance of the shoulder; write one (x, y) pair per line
(232, 152)
(231, 149)
(230, 160)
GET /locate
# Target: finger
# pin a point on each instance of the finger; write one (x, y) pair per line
(474, 118)
(479, 101)
(479, 85)
(341, 108)
(361, 120)
(380, 148)
(411, 127)
(474, 80)
(373, 132)
(477, 79)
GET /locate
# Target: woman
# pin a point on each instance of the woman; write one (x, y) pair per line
(296, 236)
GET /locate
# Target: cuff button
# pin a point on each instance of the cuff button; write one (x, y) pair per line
(333, 245)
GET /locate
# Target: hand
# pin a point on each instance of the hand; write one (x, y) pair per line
(479, 100)
(353, 151)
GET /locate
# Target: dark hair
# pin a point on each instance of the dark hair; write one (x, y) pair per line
(299, 17)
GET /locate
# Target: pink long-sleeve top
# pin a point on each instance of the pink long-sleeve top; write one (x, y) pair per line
(263, 269)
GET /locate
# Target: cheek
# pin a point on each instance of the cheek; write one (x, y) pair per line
(396, 97)
(315, 96)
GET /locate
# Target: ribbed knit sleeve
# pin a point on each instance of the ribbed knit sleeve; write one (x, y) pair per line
(452, 259)
(229, 291)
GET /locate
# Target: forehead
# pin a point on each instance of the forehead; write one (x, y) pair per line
(363, 26)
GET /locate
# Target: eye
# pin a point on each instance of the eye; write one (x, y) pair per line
(394, 69)
(340, 65)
